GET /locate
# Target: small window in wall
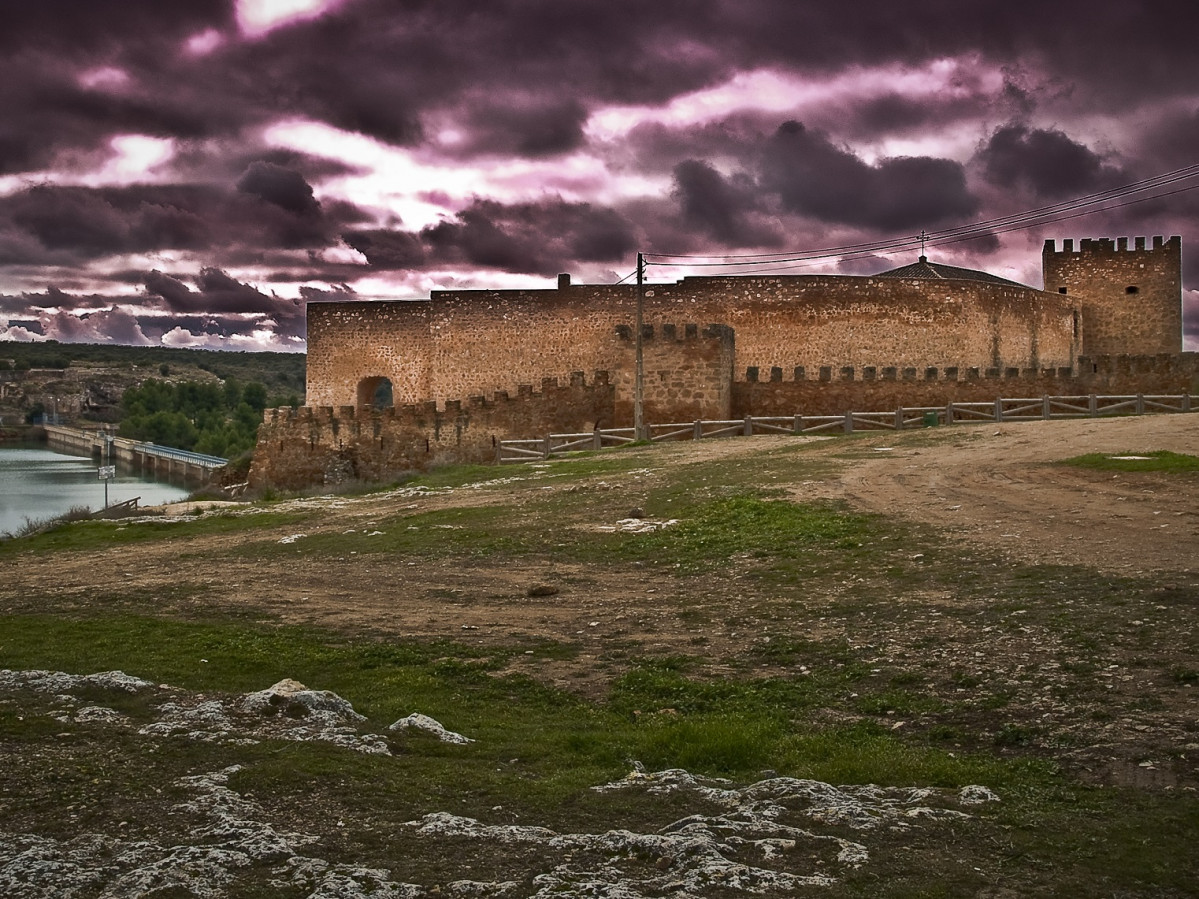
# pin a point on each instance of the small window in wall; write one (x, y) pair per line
(375, 392)
(1061, 290)
(1132, 289)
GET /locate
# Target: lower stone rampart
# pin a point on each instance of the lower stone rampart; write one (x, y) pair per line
(327, 445)
(829, 391)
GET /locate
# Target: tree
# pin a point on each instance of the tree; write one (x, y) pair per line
(254, 395)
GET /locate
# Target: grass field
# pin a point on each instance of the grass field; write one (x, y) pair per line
(824, 644)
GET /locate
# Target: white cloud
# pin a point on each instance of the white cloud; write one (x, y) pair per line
(260, 16)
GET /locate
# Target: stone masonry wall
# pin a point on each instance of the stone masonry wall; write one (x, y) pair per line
(830, 391)
(1131, 298)
(688, 372)
(327, 445)
(351, 342)
(463, 343)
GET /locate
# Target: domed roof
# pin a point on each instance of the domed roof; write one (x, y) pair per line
(934, 271)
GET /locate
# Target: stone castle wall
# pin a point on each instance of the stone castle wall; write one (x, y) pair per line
(1131, 298)
(1109, 322)
(328, 445)
(688, 372)
(881, 389)
(459, 344)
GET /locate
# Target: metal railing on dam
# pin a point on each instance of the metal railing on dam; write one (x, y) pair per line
(161, 461)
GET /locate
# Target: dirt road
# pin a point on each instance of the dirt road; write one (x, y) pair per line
(998, 485)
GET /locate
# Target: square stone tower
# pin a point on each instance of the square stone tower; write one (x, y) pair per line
(1131, 299)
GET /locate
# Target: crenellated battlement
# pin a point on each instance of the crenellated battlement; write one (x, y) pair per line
(499, 402)
(332, 444)
(1129, 298)
(1106, 245)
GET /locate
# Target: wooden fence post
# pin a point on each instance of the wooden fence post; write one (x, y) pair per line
(749, 427)
(1093, 405)
(798, 427)
(1140, 404)
(545, 447)
(998, 409)
(899, 419)
(1045, 413)
(949, 414)
(597, 439)
(848, 422)
(698, 431)
(1186, 402)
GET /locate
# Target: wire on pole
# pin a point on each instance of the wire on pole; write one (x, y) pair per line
(639, 373)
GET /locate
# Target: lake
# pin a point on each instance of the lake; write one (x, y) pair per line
(38, 483)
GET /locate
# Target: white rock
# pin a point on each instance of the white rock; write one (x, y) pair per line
(975, 794)
(429, 725)
(284, 696)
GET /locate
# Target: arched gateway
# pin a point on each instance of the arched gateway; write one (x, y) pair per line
(375, 392)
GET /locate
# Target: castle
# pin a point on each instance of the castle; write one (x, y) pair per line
(461, 366)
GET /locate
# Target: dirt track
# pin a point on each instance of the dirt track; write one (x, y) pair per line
(993, 487)
(998, 486)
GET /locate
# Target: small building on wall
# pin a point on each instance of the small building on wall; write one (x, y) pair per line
(717, 347)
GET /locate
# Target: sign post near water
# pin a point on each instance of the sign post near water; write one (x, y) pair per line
(107, 473)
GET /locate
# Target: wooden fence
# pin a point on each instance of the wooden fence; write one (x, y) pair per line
(999, 410)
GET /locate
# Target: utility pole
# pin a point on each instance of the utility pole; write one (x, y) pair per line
(639, 374)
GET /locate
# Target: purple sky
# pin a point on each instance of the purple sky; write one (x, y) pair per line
(188, 172)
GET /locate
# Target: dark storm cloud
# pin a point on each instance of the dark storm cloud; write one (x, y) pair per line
(222, 164)
(1171, 141)
(388, 249)
(90, 25)
(524, 126)
(216, 292)
(219, 306)
(284, 187)
(378, 68)
(273, 209)
(55, 298)
(338, 292)
(718, 206)
(815, 178)
(529, 238)
(653, 146)
(1049, 163)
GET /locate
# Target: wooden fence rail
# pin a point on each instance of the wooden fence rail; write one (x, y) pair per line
(1001, 410)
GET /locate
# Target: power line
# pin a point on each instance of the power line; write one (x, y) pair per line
(1065, 210)
(809, 262)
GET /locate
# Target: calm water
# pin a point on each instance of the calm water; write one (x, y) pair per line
(37, 483)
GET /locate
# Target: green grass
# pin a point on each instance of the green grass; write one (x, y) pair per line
(92, 535)
(540, 750)
(850, 687)
(483, 531)
(769, 534)
(1155, 460)
(655, 713)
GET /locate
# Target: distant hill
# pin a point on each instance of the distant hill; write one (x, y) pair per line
(84, 382)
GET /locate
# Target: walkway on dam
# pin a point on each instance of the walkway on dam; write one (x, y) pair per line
(162, 461)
